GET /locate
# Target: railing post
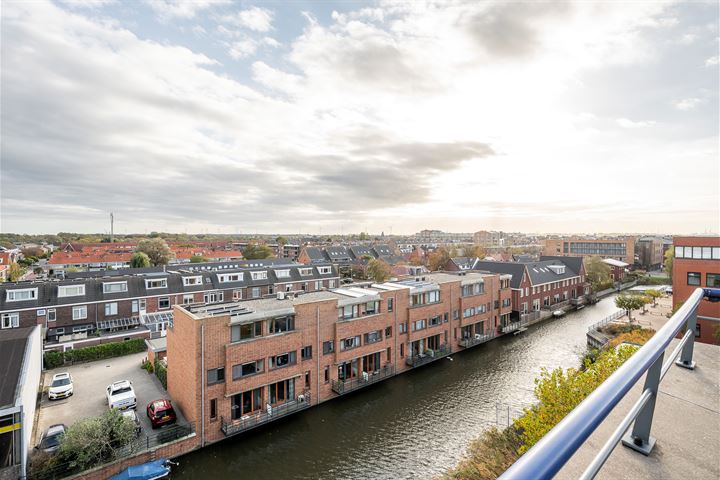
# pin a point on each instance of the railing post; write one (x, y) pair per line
(686, 356)
(640, 439)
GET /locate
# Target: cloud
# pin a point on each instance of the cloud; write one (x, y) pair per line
(688, 103)
(169, 9)
(254, 18)
(625, 123)
(688, 39)
(712, 61)
(242, 48)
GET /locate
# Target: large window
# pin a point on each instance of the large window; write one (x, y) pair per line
(281, 324)
(10, 320)
(373, 337)
(712, 280)
(115, 287)
(425, 298)
(262, 275)
(306, 352)
(79, 313)
(20, 295)
(71, 290)
(156, 283)
(693, 278)
(163, 303)
(283, 360)
(111, 308)
(230, 277)
(245, 331)
(247, 369)
(698, 253)
(328, 347)
(213, 297)
(282, 392)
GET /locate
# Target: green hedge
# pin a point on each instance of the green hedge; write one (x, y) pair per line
(161, 373)
(98, 352)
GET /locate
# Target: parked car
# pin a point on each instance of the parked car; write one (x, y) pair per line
(161, 412)
(121, 395)
(50, 442)
(132, 416)
(61, 386)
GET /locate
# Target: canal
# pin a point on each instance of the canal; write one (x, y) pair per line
(415, 425)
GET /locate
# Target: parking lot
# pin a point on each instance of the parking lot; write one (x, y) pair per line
(89, 399)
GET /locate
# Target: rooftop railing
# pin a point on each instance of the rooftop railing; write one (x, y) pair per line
(551, 453)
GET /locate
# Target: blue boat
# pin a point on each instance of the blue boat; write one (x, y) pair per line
(146, 471)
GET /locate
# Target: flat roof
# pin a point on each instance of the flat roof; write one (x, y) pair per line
(12, 352)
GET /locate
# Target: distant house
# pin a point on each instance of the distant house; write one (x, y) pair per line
(618, 268)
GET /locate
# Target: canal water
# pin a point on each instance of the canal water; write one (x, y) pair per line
(415, 425)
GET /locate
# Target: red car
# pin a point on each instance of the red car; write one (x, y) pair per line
(161, 412)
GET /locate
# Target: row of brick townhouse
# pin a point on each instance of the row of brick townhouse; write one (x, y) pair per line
(697, 265)
(74, 309)
(237, 365)
(546, 284)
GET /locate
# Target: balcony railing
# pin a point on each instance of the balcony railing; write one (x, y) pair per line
(477, 339)
(251, 421)
(511, 327)
(551, 453)
(428, 356)
(346, 386)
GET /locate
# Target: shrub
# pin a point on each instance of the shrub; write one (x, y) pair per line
(637, 336)
(146, 365)
(488, 456)
(98, 352)
(161, 373)
(558, 392)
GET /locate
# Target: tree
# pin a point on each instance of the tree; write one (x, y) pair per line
(597, 272)
(281, 240)
(93, 441)
(157, 250)
(364, 236)
(198, 259)
(630, 303)
(139, 260)
(668, 262)
(474, 251)
(254, 251)
(438, 259)
(378, 270)
(15, 272)
(654, 295)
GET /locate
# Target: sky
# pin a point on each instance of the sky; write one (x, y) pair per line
(340, 117)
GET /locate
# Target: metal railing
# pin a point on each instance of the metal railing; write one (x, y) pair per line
(606, 320)
(551, 453)
(428, 356)
(346, 386)
(477, 339)
(255, 420)
(511, 327)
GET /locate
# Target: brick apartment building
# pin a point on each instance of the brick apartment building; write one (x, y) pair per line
(697, 264)
(549, 283)
(238, 365)
(650, 252)
(120, 303)
(619, 248)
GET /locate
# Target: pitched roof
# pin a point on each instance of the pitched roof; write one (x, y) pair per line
(12, 352)
(511, 268)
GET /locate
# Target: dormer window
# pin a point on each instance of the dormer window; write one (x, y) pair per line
(282, 273)
(71, 290)
(192, 281)
(305, 271)
(230, 277)
(324, 270)
(115, 287)
(156, 283)
(261, 275)
(21, 295)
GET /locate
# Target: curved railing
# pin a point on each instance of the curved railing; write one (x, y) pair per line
(551, 453)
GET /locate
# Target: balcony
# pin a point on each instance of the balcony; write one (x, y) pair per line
(477, 339)
(251, 421)
(511, 327)
(577, 301)
(429, 356)
(346, 386)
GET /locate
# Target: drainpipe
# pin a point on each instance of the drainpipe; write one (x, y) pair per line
(202, 381)
(23, 444)
(318, 354)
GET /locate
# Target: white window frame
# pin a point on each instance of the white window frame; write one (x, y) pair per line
(285, 273)
(10, 320)
(51, 313)
(256, 292)
(237, 294)
(168, 300)
(124, 287)
(135, 306)
(112, 307)
(64, 289)
(192, 281)
(152, 281)
(259, 275)
(230, 277)
(79, 312)
(324, 270)
(304, 272)
(188, 299)
(11, 294)
(218, 294)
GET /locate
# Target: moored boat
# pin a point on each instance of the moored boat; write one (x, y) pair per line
(146, 471)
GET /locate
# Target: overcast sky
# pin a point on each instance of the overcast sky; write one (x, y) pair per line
(245, 117)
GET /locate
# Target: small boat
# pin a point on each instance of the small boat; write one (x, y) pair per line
(146, 471)
(558, 313)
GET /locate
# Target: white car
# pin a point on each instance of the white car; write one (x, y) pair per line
(121, 395)
(61, 386)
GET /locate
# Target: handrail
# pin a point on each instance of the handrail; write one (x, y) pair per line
(551, 453)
